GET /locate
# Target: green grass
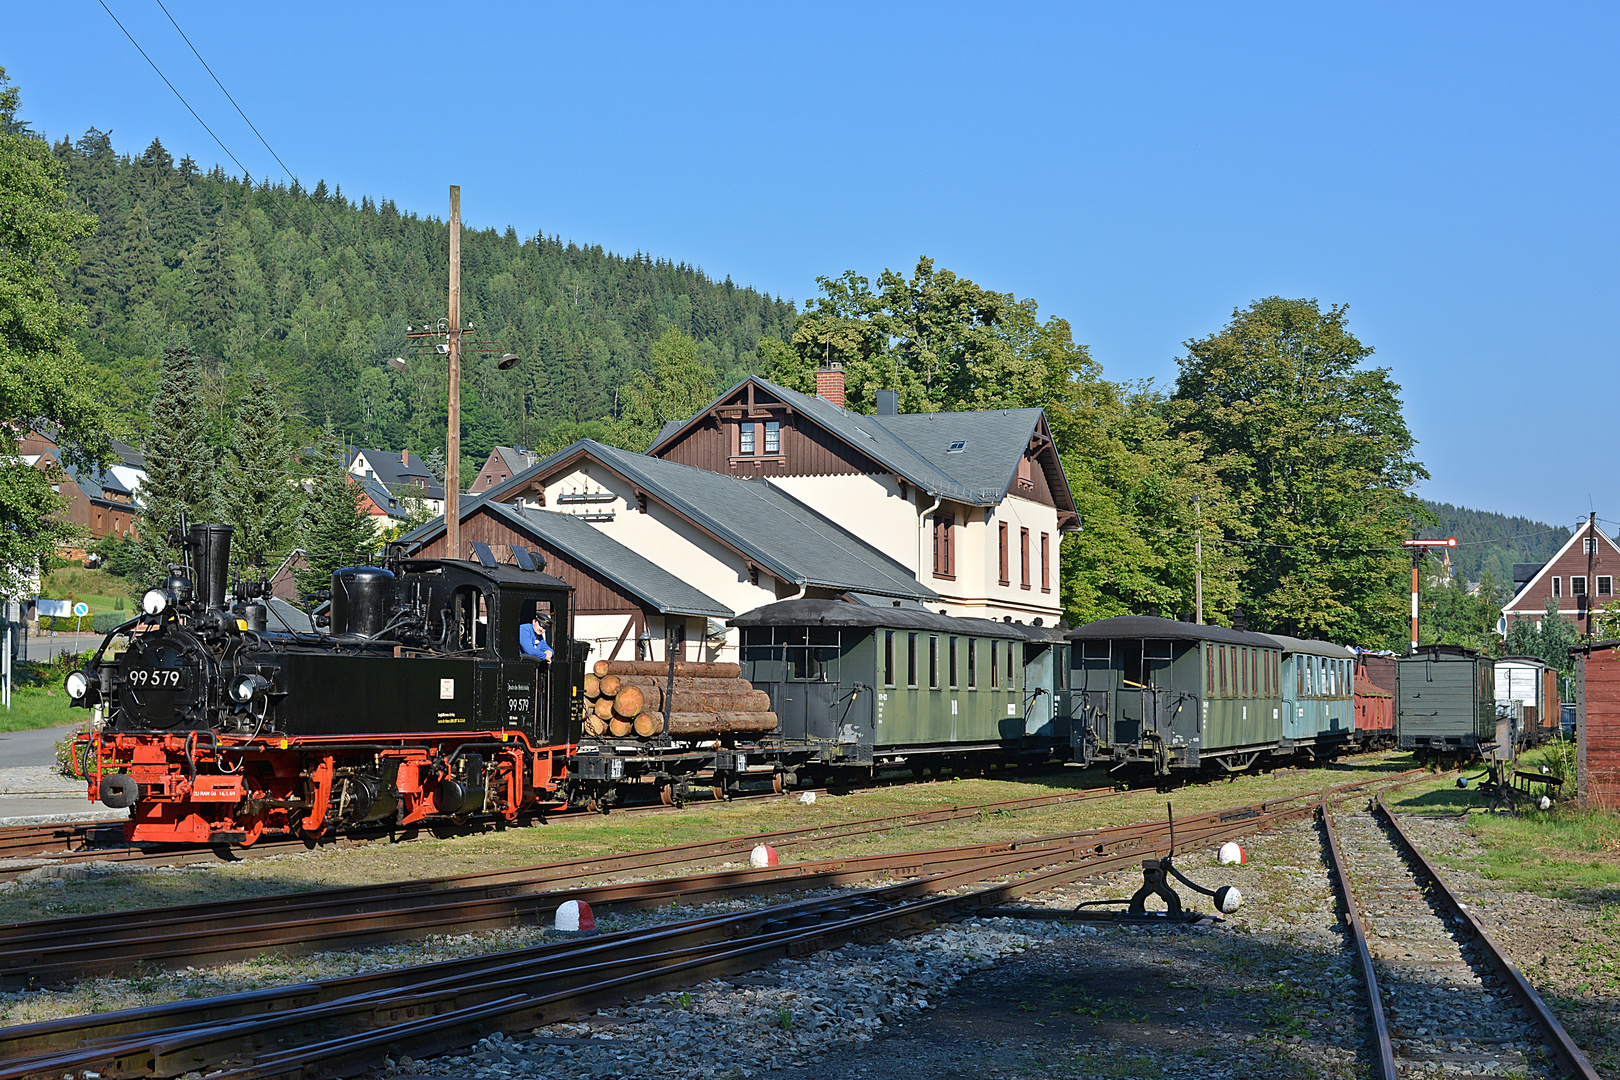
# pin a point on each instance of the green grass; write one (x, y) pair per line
(32, 707)
(97, 588)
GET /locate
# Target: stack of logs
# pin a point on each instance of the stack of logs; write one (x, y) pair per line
(627, 696)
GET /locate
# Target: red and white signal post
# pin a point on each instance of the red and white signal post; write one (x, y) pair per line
(1419, 548)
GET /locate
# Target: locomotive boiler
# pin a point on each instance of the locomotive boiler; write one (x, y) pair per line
(216, 722)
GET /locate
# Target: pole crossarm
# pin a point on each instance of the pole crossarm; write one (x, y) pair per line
(1420, 548)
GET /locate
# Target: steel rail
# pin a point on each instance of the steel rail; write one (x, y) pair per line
(121, 1044)
(1570, 1055)
(59, 958)
(563, 870)
(1358, 932)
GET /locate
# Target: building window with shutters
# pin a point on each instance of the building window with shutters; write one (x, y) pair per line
(1046, 562)
(945, 546)
(773, 437)
(1005, 562)
(1023, 558)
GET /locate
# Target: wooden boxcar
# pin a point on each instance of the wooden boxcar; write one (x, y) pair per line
(1175, 695)
(1528, 682)
(871, 684)
(1318, 692)
(1597, 724)
(1375, 701)
(1445, 701)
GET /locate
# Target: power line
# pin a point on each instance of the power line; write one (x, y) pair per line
(222, 90)
(170, 85)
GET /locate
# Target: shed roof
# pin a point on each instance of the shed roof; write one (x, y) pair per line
(1147, 626)
(1436, 651)
(752, 516)
(594, 549)
(810, 612)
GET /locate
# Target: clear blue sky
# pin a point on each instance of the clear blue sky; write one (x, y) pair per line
(1447, 172)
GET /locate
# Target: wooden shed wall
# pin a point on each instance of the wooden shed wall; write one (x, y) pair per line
(593, 594)
(1598, 723)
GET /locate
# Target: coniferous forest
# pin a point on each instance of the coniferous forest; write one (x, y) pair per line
(319, 290)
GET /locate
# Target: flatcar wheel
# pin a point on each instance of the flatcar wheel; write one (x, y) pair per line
(719, 792)
(777, 784)
(666, 794)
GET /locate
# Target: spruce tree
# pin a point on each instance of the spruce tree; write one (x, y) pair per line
(181, 470)
(334, 532)
(260, 496)
(141, 266)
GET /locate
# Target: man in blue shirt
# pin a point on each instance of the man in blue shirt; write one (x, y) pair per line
(532, 638)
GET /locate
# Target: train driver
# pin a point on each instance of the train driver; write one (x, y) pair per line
(532, 637)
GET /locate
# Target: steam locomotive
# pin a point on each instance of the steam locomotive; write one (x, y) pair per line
(417, 708)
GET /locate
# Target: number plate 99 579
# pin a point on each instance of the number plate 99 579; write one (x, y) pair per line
(159, 678)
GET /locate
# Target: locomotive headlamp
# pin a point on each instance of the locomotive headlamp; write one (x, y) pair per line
(246, 688)
(77, 684)
(156, 601)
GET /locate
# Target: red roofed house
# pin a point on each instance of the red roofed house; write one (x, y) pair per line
(1581, 578)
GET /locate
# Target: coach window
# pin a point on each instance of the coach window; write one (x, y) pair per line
(1011, 681)
(468, 622)
(518, 614)
(995, 664)
(1209, 668)
(973, 663)
(951, 661)
(933, 662)
(797, 651)
(1157, 655)
(911, 660)
(824, 652)
(888, 658)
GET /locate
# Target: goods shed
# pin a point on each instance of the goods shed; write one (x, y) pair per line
(1597, 724)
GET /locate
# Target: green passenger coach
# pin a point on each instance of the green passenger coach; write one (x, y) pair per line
(868, 685)
(1174, 695)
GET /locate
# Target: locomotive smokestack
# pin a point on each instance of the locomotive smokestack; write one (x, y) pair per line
(212, 547)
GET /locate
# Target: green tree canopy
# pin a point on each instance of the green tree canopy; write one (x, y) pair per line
(1549, 637)
(1315, 451)
(260, 495)
(333, 533)
(182, 469)
(678, 384)
(41, 372)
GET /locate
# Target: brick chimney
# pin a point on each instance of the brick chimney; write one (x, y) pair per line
(830, 382)
(405, 458)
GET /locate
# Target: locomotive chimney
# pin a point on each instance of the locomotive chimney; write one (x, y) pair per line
(211, 545)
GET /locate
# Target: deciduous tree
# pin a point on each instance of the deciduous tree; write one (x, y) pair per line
(1314, 448)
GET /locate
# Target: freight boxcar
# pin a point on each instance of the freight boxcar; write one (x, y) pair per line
(866, 685)
(1375, 703)
(1528, 682)
(1445, 701)
(1318, 692)
(1174, 695)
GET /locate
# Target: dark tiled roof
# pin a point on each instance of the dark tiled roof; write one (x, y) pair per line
(842, 613)
(771, 527)
(1311, 647)
(645, 580)
(397, 474)
(994, 443)
(386, 501)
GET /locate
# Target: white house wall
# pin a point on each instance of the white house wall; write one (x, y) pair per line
(872, 508)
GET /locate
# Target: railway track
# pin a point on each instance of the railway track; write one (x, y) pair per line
(1441, 993)
(342, 1026)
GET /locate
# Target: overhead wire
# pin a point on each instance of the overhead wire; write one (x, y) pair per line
(171, 86)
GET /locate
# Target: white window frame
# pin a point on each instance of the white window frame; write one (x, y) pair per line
(1605, 585)
(1556, 587)
(1574, 589)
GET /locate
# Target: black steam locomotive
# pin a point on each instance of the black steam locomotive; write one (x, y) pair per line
(218, 723)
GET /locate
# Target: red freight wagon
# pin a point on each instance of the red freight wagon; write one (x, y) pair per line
(1597, 723)
(1375, 703)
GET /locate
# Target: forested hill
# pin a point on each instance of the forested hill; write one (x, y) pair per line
(321, 288)
(1494, 542)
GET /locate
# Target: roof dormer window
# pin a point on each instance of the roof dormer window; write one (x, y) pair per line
(956, 447)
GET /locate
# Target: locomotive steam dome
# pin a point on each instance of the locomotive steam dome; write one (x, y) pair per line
(360, 596)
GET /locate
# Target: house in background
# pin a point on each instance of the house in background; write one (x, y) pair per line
(404, 475)
(973, 504)
(624, 604)
(503, 463)
(1580, 579)
(103, 501)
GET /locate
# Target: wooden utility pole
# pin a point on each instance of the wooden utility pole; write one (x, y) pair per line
(1198, 555)
(1591, 583)
(452, 470)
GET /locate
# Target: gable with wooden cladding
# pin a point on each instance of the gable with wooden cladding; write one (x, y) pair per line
(753, 431)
